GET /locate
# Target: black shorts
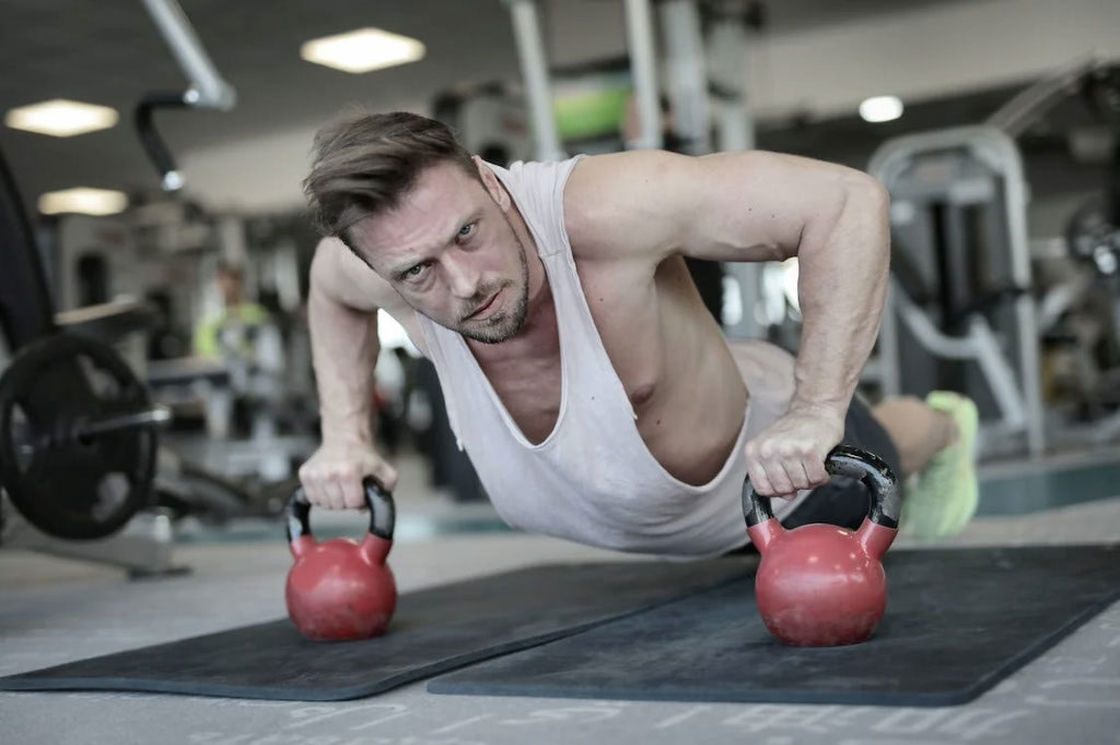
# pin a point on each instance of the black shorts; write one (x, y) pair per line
(844, 501)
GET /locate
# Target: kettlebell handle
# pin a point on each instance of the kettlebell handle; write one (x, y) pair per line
(844, 460)
(382, 511)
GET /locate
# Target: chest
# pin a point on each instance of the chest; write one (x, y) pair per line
(527, 375)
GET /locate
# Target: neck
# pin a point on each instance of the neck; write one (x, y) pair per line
(538, 333)
(540, 295)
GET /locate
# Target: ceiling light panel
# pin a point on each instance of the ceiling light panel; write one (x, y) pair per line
(362, 50)
(61, 118)
(83, 200)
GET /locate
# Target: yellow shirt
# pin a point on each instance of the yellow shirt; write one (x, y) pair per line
(208, 340)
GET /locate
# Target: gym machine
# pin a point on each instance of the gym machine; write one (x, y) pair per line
(1080, 316)
(961, 311)
(960, 255)
(78, 432)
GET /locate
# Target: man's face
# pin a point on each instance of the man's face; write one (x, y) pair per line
(451, 252)
(229, 284)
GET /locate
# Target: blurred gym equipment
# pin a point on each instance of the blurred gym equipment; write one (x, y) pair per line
(960, 255)
(77, 431)
(78, 440)
(966, 309)
(207, 91)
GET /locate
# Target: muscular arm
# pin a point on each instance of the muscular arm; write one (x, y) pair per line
(344, 344)
(844, 262)
(754, 206)
(343, 301)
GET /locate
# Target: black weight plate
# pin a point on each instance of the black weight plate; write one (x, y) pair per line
(71, 487)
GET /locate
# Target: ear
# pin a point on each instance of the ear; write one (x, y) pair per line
(493, 186)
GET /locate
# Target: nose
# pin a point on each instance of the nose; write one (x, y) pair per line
(462, 278)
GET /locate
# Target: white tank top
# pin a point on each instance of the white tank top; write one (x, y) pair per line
(592, 480)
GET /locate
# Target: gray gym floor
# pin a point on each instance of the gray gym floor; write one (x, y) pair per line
(53, 611)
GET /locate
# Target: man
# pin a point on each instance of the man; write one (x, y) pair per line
(232, 331)
(244, 338)
(595, 395)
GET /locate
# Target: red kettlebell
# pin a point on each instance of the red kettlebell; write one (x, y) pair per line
(822, 585)
(341, 589)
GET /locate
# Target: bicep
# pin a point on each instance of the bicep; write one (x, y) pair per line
(743, 206)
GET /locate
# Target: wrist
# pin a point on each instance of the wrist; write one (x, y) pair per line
(344, 434)
(829, 411)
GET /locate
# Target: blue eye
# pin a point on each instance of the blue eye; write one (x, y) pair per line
(415, 271)
(466, 230)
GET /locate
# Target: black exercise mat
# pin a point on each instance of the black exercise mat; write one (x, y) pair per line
(433, 631)
(957, 622)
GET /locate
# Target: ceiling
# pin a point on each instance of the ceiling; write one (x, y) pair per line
(111, 54)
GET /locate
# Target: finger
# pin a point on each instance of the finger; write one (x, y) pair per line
(319, 493)
(313, 491)
(759, 482)
(352, 490)
(779, 479)
(386, 475)
(332, 491)
(816, 472)
(312, 482)
(798, 473)
(756, 470)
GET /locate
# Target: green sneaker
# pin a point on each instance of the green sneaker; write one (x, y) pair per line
(944, 496)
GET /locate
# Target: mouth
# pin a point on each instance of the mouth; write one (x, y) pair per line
(483, 308)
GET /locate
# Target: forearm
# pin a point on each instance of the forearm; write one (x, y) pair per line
(844, 264)
(344, 350)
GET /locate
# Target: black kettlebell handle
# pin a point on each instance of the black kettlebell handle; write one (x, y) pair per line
(844, 460)
(382, 511)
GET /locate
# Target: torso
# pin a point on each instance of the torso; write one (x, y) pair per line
(668, 352)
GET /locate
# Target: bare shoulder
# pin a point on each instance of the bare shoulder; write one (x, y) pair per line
(740, 206)
(607, 204)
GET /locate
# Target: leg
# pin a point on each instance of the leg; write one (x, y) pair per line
(918, 431)
(935, 439)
